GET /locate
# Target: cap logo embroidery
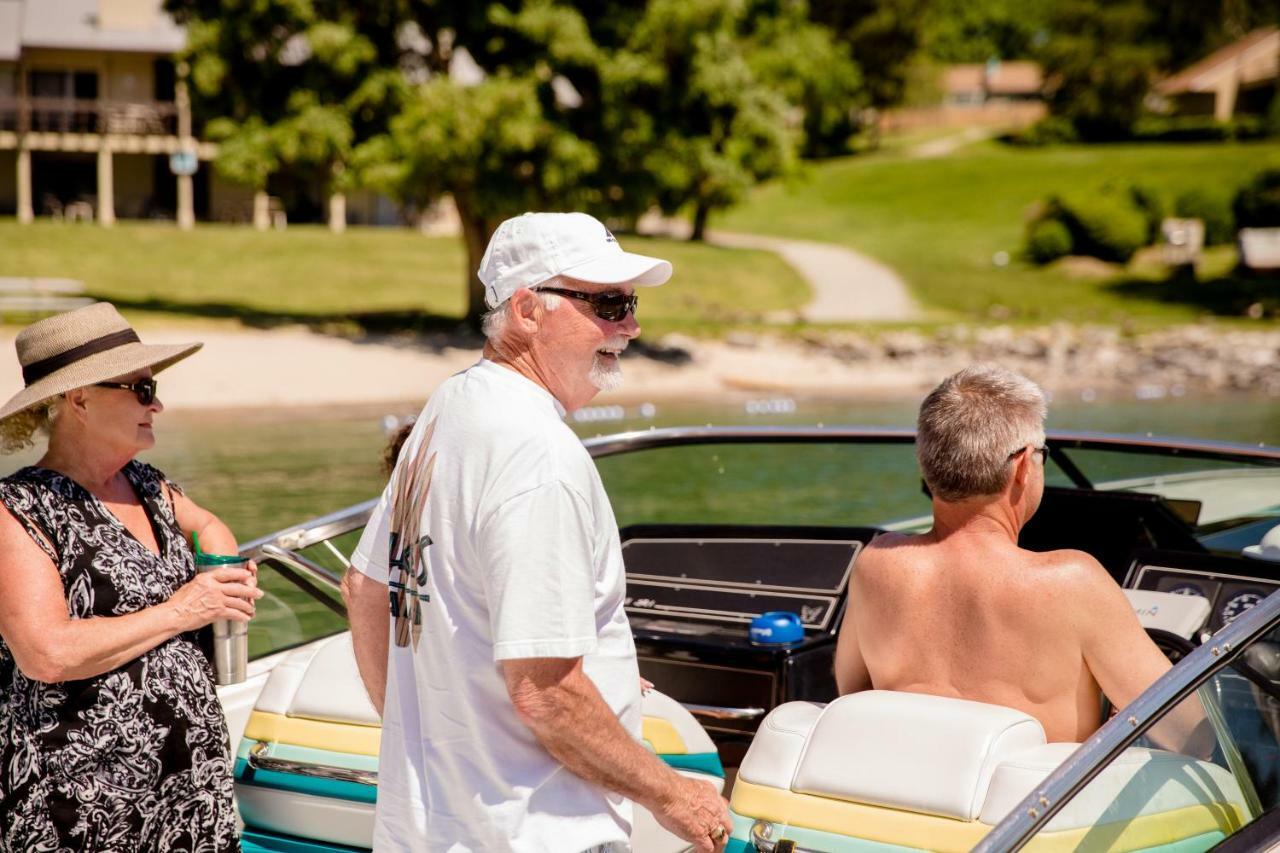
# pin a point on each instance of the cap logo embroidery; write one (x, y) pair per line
(608, 236)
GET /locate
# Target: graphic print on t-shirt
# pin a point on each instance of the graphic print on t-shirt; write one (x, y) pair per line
(406, 562)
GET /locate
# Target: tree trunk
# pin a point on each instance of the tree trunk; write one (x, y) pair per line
(476, 231)
(700, 213)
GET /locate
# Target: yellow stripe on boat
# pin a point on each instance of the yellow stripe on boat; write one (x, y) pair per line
(662, 736)
(947, 835)
(297, 731)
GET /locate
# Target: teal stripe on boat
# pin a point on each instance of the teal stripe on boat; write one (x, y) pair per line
(310, 755)
(703, 762)
(1195, 844)
(332, 788)
(261, 842)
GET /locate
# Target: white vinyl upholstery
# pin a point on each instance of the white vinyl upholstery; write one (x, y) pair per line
(775, 752)
(1139, 782)
(320, 682)
(1183, 615)
(911, 751)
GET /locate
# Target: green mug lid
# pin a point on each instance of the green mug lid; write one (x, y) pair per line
(203, 559)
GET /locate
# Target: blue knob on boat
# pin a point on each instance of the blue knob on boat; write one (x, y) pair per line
(776, 627)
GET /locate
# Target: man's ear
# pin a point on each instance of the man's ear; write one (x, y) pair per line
(1022, 467)
(526, 309)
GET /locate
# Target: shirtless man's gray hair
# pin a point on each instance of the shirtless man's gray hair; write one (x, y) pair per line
(970, 424)
(961, 610)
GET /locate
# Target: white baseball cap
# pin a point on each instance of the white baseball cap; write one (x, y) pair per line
(1268, 548)
(527, 250)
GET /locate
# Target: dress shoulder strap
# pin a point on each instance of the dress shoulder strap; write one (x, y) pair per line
(24, 497)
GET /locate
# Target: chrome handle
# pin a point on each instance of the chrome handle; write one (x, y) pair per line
(259, 760)
(762, 840)
(717, 712)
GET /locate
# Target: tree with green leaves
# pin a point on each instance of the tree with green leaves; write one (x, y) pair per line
(291, 84)
(979, 30)
(1101, 60)
(884, 37)
(607, 106)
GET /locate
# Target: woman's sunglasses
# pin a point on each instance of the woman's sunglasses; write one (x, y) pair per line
(144, 388)
(613, 307)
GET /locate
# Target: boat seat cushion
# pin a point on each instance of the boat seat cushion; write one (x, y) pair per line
(1140, 786)
(319, 682)
(908, 751)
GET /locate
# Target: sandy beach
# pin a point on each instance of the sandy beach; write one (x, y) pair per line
(295, 367)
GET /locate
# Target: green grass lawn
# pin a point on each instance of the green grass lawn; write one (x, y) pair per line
(940, 221)
(367, 278)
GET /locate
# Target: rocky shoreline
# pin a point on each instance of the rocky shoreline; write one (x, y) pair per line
(1184, 359)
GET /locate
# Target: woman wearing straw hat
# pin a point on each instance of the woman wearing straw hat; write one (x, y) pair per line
(111, 734)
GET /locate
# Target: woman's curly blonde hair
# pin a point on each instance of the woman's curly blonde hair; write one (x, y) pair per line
(17, 431)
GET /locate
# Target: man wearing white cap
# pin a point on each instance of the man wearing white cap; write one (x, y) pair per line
(511, 718)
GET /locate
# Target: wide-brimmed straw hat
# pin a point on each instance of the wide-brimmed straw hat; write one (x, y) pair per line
(81, 347)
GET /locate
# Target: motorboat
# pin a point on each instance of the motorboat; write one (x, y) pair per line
(723, 525)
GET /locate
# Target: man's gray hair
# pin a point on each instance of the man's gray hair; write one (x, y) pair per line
(970, 424)
(494, 322)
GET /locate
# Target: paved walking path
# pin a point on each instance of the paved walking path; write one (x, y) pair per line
(848, 287)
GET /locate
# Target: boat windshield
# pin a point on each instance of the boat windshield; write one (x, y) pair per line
(804, 484)
(1231, 502)
(1228, 497)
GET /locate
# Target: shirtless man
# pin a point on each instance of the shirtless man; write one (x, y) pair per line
(963, 611)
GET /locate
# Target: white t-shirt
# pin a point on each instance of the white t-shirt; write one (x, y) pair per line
(517, 557)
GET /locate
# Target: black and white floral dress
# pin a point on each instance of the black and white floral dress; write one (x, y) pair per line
(135, 759)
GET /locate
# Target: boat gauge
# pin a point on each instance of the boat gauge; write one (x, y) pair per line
(1187, 589)
(1239, 604)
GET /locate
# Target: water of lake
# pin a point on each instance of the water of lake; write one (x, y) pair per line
(264, 471)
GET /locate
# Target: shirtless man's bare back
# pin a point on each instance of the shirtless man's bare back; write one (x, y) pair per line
(963, 611)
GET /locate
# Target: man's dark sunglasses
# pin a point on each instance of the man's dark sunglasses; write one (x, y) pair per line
(613, 307)
(144, 388)
(1043, 450)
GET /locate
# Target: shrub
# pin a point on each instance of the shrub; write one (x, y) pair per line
(1197, 129)
(1150, 204)
(1258, 204)
(1106, 226)
(1048, 240)
(1050, 130)
(1212, 207)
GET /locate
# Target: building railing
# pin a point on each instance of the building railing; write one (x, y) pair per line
(69, 115)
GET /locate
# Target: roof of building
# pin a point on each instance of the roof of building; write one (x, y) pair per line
(1017, 77)
(1254, 58)
(10, 24)
(963, 78)
(133, 26)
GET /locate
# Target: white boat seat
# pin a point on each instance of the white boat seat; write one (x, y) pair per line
(314, 711)
(907, 751)
(934, 773)
(319, 682)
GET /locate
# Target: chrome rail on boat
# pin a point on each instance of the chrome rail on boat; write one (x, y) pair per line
(258, 759)
(718, 712)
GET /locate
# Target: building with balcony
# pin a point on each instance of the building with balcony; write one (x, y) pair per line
(92, 113)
